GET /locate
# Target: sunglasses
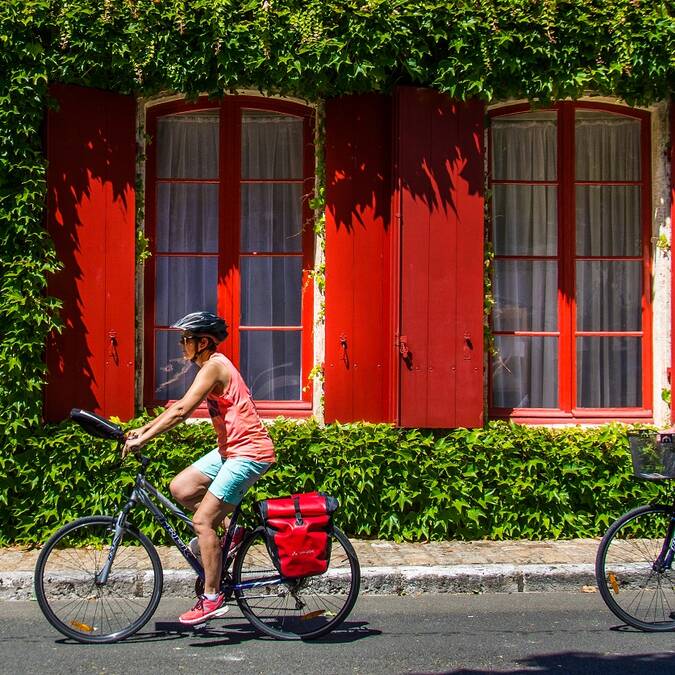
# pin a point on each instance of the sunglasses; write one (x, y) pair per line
(186, 338)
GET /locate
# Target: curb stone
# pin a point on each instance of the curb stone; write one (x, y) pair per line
(402, 580)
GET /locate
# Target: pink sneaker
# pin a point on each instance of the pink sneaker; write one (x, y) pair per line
(204, 610)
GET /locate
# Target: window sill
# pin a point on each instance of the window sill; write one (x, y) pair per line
(549, 417)
(268, 410)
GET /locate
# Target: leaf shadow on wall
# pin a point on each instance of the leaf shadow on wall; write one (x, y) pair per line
(420, 141)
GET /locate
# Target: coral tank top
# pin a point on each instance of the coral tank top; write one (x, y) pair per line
(240, 430)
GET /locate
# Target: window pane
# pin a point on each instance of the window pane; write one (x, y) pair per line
(270, 364)
(187, 145)
(271, 145)
(525, 147)
(609, 294)
(183, 285)
(271, 291)
(187, 217)
(608, 220)
(607, 146)
(173, 374)
(525, 372)
(609, 372)
(525, 220)
(271, 218)
(526, 295)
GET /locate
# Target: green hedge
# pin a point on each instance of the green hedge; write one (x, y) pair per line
(500, 482)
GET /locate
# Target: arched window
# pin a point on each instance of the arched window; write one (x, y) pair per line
(230, 229)
(570, 228)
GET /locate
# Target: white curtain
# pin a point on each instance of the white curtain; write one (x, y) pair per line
(188, 145)
(608, 292)
(525, 223)
(271, 223)
(187, 224)
(271, 146)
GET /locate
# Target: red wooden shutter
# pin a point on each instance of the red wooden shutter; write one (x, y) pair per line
(439, 178)
(359, 335)
(91, 154)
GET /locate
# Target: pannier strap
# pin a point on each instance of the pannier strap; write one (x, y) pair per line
(298, 514)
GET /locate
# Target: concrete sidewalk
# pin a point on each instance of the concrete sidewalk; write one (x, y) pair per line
(390, 568)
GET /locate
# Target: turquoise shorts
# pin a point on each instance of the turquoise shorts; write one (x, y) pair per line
(230, 478)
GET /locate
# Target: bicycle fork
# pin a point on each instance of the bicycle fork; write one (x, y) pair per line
(101, 577)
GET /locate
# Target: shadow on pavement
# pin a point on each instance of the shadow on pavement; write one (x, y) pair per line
(349, 631)
(214, 634)
(590, 664)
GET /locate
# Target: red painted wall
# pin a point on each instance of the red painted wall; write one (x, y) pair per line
(439, 178)
(359, 342)
(90, 182)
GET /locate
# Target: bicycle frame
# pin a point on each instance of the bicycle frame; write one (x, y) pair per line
(143, 493)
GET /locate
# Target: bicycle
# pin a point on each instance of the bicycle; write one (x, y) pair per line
(99, 579)
(633, 566)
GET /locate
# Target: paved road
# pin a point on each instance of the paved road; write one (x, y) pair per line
(461, 634)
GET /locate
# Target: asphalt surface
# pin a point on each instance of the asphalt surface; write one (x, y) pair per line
(448, 633)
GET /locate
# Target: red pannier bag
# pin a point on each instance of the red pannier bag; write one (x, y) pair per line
(298, 532)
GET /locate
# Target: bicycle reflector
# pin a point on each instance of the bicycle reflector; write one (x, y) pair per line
(96, 425)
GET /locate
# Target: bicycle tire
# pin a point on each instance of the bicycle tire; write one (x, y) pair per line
(65, 585)
(275, 610)
(633, 590)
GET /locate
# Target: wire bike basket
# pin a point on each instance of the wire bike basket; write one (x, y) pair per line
(653, 455)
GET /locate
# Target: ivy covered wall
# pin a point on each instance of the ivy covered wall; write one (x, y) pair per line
(493, 49)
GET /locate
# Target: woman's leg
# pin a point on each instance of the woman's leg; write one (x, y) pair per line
(189, 487)
(206, 520)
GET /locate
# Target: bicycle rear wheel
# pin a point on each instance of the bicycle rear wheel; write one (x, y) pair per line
(296, 609)
(629, 580)
(69, 595)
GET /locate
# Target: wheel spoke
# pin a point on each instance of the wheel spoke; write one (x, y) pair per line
(306, 607)
(633, 589)
(71, 599)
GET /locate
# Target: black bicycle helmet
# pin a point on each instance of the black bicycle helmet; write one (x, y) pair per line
(203, 323)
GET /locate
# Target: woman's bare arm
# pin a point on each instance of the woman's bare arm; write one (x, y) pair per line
(211, 374)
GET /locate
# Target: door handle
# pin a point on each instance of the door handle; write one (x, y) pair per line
(112, 347)
(344, 357)
(404, 351)
(467, 347)
(403, 346)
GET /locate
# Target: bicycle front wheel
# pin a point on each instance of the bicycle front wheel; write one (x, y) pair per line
(631, 581)
(70, 594)
(295, 609)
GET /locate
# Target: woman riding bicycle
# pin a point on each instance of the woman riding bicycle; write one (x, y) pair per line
(216, 483)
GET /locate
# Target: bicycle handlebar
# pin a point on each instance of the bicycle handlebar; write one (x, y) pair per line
(103, 428)
(96, 425)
